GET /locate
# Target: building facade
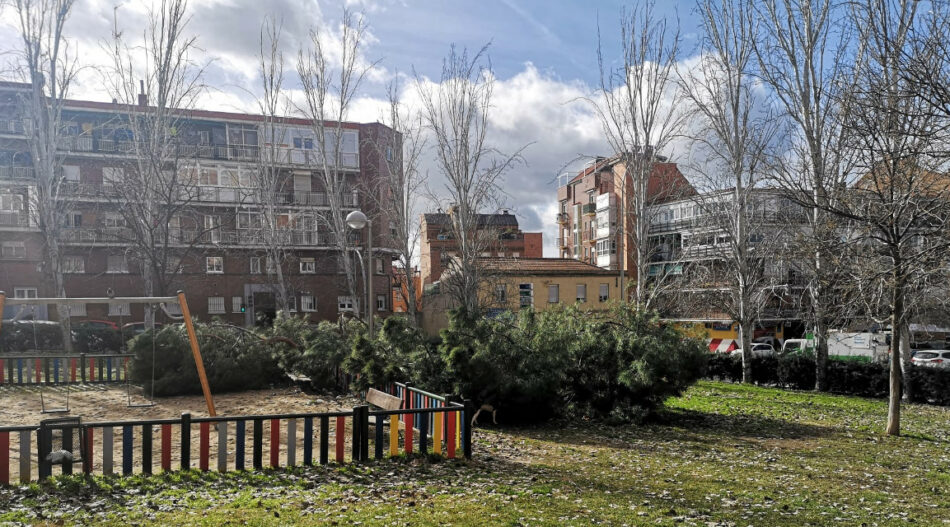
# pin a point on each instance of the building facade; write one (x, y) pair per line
(505, 240)
(591, 218)
(217, 243)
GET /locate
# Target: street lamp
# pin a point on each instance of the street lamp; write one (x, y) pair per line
(356, 220)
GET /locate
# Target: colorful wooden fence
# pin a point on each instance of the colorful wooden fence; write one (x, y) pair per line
(238, 443)
(63, 369)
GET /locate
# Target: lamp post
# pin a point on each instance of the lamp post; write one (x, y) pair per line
(356, 220)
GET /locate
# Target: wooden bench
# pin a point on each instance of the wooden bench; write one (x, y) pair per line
(383, 400)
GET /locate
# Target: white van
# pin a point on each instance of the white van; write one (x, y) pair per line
(796, 345)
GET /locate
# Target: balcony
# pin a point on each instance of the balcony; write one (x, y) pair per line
(9, 173)
(14, 219)
(252, 237)
(563, 218)
(590, 209)
(562, 242)
(588, 237)
(11, 126)
(84, 235)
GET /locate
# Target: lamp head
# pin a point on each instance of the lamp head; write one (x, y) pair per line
(356, 220)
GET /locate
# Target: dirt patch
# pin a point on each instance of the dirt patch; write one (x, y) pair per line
(23, 406)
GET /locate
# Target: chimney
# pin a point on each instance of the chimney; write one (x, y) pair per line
(143, 98)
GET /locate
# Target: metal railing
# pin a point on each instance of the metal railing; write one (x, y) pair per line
(12, 126)
(14, 219)
(563, 217)
(589, 208)
(63, 369)
(16, 173)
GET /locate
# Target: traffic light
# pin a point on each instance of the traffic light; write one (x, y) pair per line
(243, 308)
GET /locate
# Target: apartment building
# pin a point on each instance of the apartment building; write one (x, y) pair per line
(505, 240)
(591, 221)
(691, 248)
(219, 239)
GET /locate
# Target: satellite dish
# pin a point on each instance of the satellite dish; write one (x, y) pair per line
(110, 292)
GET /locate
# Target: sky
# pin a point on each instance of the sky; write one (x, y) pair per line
(543, 55)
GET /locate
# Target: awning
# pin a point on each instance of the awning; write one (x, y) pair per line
(722, 345)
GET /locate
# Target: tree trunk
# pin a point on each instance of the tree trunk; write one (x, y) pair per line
(894, 399)
(821, 357)
(745, 340)
(906, 365)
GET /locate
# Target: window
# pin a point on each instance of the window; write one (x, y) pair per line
(119, 310)
(214, 265)
(113, 220)
(255, 265)
(213, 226)
(236, 303)
(11, 202)
(378, 264)
(292, 302)
(604, 294)
(485, 255)
(345, 303)
(215, 305)
(208, 177)
(308, 303)
(516, 254)
(112, 175)
(74, 264)
(554, 294)
(24, 292)
(582, 292)
(302, 183)
(73, 220)
(71, 173)
(270, 266)
(308, 266)
(116, 264)
(76, 310)
(248, 220)
(380, 302)
(13, 249)
(526, 295)
(501, 293)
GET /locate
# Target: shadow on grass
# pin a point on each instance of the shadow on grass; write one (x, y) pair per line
(671, 424)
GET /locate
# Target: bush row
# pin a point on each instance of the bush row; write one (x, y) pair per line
(47, 337)
(863, 379)
(535, 365)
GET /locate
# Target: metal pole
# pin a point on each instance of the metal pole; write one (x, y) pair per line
(369, 276)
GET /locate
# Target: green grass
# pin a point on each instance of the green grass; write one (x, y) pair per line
(722, 455)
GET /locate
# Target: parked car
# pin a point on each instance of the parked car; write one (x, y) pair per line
(796, 345)
(758, 350)
(96, 324)
(932, 358)
(133, 329)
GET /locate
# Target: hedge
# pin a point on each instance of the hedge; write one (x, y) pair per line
(863, 379)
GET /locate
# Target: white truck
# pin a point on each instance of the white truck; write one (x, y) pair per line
(857, 346)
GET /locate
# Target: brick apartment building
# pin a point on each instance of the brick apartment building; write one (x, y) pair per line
(590, 203)
(223, 270)
(438, 242)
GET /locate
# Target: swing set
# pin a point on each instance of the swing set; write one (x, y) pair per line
(186, 315)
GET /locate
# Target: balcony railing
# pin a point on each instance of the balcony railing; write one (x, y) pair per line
(16, 173)
(288, 156)
(11, 126)
(563, 218)
(562, 242)
(14, 219)
(589, 208)
(97, 235)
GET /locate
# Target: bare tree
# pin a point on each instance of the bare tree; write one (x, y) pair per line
(156, 193)
(330, 79)
(802, 54)
(403, 184)
(636, 107)
(733, 134)
(456, 112)
(899, 200)
(270, 179)
(45, 61)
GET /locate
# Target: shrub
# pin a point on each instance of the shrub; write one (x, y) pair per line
(233, 358)
(23, 335)
(315, 351)
(96, 340)
(536, 365)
